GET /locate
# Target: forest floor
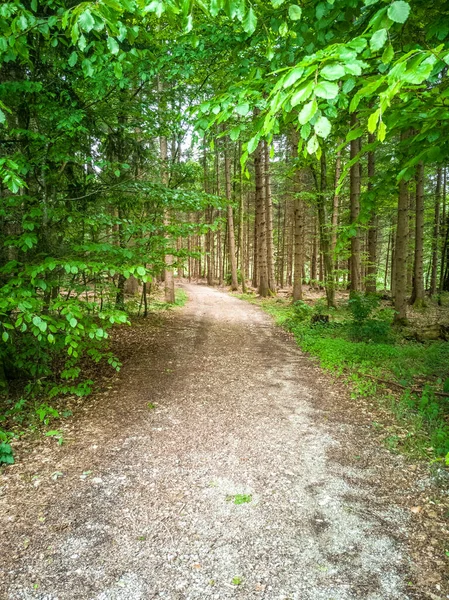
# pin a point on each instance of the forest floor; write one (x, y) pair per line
(221, 462)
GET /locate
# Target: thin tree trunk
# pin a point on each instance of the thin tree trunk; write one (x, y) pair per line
(169, 282)
(400, 254)
(417, 298)
(371, 278)
(436, 234)
(298, 219)
(387, 260)
(355, 185)
(269, 222)
(261, 221)
(231, 238)
(324, 234)
(284, 238)
(242, 229)
(335, 206)
(313, 259)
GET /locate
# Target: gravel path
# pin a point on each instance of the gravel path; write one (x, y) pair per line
(238, 416)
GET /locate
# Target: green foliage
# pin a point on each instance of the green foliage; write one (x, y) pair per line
(376, 352)
(363, 305)
(301, 310)
(242, 498)
(6, 454)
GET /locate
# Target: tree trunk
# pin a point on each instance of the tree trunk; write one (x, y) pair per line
(355, 184)
(417, 298)
(298, 219)
(335, 206)
(231, 238)
(261, 221)
(169, 282)
(436, 234)
(400, 255)
(324, 234)
(269, 222)
(242, 229)
(371, 278)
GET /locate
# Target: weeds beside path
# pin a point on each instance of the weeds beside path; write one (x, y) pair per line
(409, 379)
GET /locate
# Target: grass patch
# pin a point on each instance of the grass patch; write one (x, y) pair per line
(358, 344)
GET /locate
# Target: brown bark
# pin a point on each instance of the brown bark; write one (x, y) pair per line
(269, 222)
(298, 219)
(335, 204)
(355, 186)
(169, 283)
(324, 235)
(230, 215)
(261, 221)
(371, 272)
(400, 254)
(436, 233)
(417, 298)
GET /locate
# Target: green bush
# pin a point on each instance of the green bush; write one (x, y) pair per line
(362, 306)
(301, 310)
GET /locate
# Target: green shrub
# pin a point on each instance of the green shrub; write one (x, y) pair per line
(301, 310)
(362, 305)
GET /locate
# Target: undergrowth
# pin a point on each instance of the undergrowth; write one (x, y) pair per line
(27, 410)
(357, 343)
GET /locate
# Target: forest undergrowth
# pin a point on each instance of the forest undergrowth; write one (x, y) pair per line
(26, 412)
(357, 342)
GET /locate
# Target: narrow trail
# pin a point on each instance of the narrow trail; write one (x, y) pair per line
(239, 410)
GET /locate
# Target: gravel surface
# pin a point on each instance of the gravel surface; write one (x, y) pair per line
(237, 483)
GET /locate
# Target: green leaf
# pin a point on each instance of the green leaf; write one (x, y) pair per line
(234, 133)
(326, 89)
(312, 145)
(73, 322)
(293, 76)
(378, 40)
(283, 29)
(113, 45)
(294, 12)
(141, 271)
(382, 131)
(5, 336)
(73, 58)
(250, 21)
(305, 131)
(399, 11)
(86, 21)
(308, 111)
(118, 70)
(88, 70)
(277, 3)
(349, 85)
(388, 54)
(333, 71)
(373, 120)
(303, 92)
(242, 109)
(253, 143)
(322, 127)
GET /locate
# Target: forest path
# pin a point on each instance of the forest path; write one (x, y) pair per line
(239, 410)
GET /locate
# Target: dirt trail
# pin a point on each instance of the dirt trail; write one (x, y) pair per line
(239, 410)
